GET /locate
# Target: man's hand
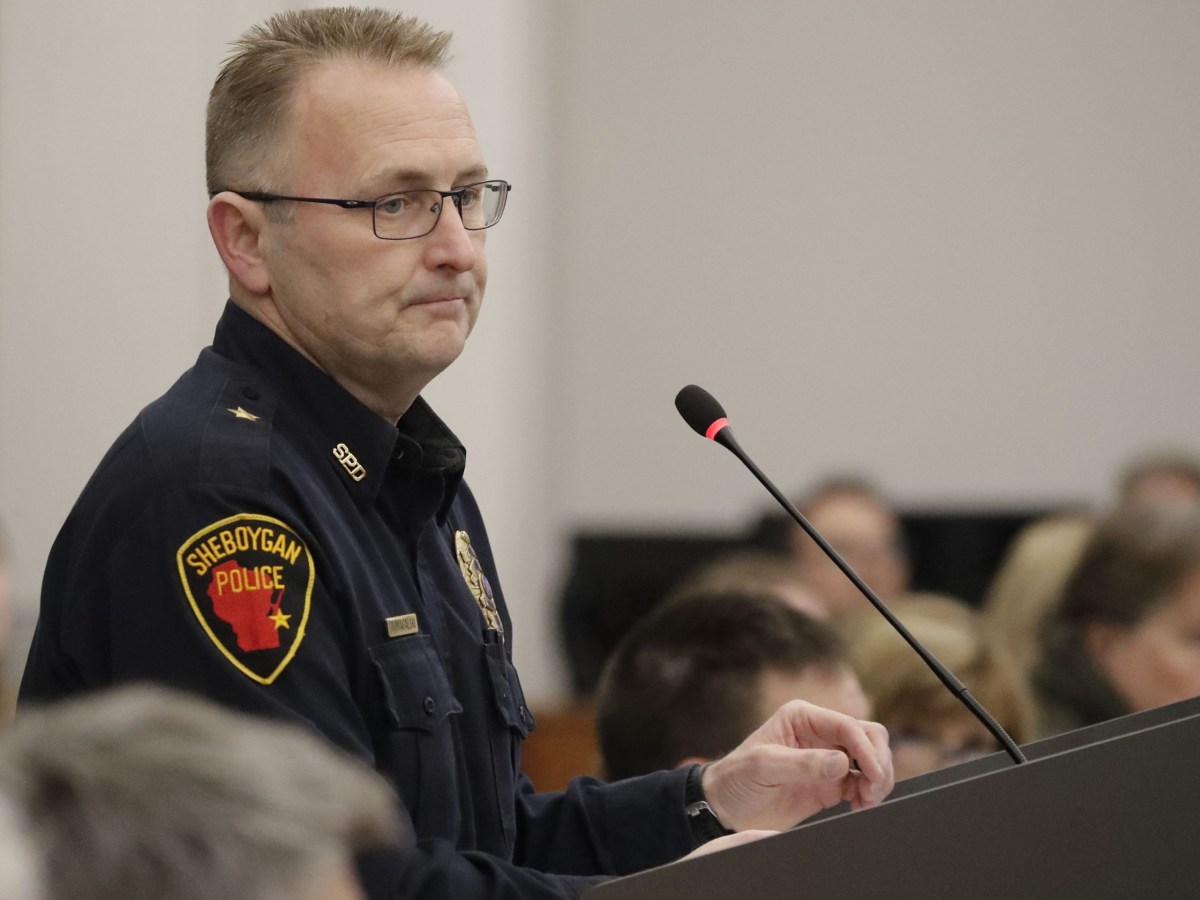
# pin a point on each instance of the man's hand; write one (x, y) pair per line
(797, 763)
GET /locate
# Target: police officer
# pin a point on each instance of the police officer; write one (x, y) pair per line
(287, 529)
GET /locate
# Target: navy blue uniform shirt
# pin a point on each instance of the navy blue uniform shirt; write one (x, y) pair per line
(260, 537)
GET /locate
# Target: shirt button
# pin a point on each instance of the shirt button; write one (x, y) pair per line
(430, 706)
(250, 392)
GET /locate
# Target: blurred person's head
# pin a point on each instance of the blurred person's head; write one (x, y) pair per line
(860, 524)
(1030, 580)
(149, 794)
(1126, 634)
(1160, 478)
(755, 572)
(698, 674)
(928, 725)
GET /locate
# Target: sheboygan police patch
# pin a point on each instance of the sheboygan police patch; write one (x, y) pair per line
(249, 580)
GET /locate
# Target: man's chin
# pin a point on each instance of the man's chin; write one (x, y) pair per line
(438, 352)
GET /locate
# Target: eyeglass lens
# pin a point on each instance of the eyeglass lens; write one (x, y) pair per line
(414, 213)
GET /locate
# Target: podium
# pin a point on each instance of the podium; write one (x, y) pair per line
(1107, 811)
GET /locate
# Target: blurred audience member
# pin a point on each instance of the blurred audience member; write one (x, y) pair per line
(1126, 634)
(698, 674)
(20, 870)
(1030, 579)
(149, 794)
(1161, 478)
(8, 697)
(756, 572)
(856, 520)
(929, 726)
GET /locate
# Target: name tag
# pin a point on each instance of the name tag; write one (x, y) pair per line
(399, 626)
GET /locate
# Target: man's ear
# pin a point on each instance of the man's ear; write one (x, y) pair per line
(236, 225)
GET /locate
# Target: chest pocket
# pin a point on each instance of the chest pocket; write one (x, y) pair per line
(419, 747)
(506, 689)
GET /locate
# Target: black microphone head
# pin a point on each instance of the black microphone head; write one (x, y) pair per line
(699, 408)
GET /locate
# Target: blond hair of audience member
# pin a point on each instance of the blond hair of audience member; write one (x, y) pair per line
(1164, 478)
(699, 673)
(928, 725)
(20, 869)
(861, 525)
(1125, 635)
(1030, 580)
(755, 571)
(145, 793)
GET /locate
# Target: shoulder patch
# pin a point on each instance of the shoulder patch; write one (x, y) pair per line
(249, 580)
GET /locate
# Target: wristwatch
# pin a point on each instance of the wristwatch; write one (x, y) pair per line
(703, 821)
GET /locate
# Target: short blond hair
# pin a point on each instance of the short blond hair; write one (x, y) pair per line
(1030, 580)
(251, 98)
(907, 696)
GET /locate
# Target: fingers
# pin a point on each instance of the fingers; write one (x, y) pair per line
(825, 775)
(866, 743)
(878, 776)
(776, 765)
(802, 760)
(773, 786)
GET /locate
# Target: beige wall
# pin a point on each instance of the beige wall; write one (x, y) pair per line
(953, 244)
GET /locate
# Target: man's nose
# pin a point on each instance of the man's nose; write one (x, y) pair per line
(450, 243)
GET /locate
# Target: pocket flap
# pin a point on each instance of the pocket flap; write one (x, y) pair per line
(414, 683)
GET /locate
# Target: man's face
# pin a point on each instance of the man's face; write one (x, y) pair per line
(868, 537)
(382, 317)
(1169, 490)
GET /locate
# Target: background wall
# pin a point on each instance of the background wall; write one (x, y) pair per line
(951, 244)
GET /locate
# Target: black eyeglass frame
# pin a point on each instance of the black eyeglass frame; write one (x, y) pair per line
(455, 196)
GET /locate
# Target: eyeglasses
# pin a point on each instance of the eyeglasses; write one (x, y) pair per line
(412, 214)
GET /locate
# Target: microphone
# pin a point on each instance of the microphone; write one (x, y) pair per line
(706, 417)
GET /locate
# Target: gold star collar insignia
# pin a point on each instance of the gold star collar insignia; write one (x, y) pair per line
(242, 414)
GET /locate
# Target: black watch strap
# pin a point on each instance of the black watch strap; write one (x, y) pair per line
(703, 821)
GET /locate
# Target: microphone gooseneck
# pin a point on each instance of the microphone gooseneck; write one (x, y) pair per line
(705, 416)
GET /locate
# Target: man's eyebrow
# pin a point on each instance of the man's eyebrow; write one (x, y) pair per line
(413, 179)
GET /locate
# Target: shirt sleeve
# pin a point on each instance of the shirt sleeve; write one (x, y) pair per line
(617, 828)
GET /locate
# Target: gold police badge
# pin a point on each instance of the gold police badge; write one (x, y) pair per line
(472, 571)
(249, 581)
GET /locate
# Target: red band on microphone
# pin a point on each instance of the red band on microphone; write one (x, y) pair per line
(715, 428)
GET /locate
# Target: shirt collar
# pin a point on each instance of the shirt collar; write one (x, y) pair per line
(331, 422)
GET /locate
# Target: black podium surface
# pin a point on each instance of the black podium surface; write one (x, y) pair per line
(1109, 811)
